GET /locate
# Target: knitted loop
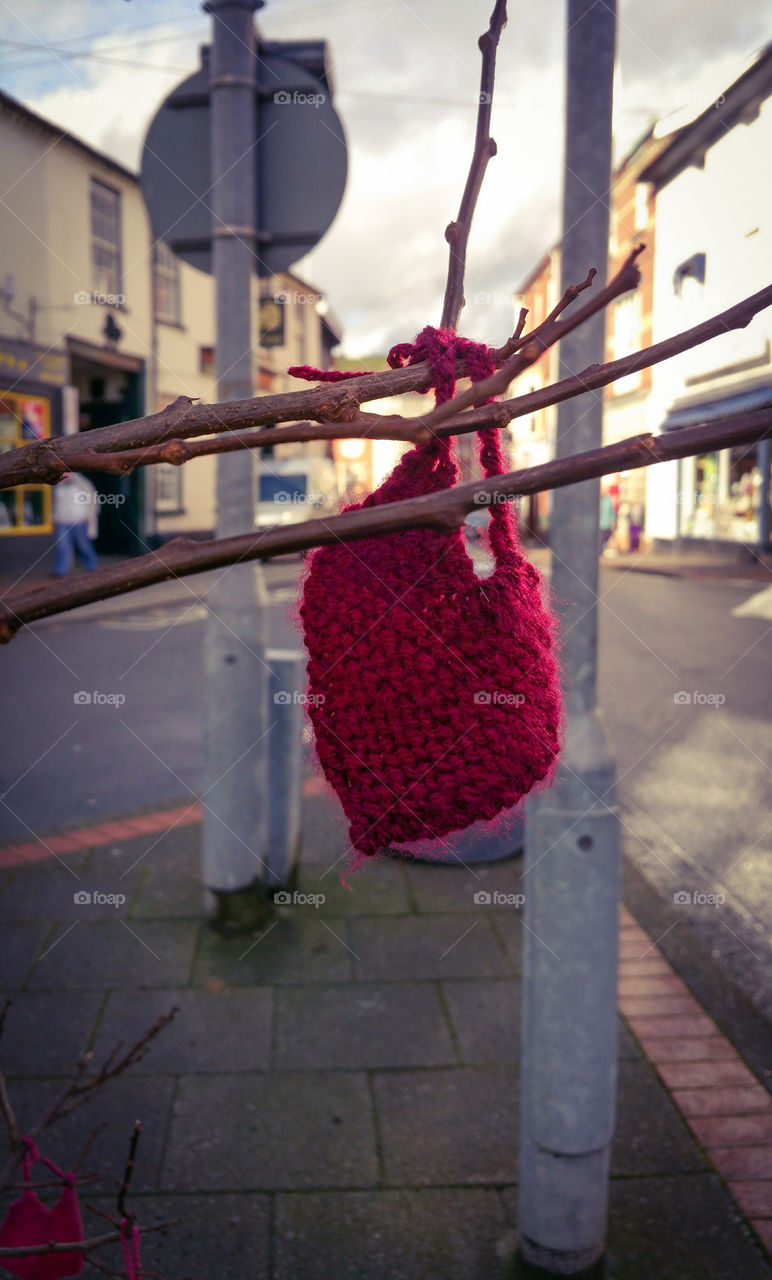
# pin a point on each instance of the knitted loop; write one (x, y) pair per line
(33, 1156)
(130, 1246)
(310, 374)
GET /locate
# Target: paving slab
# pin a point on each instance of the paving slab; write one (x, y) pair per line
(297, 946)
(685, 1228)
(456, 1126)
(651, 1136)
(218, 1237)
(452, 887)
(325, 832)
(214, 1031)
(394, 1235)
(116, 953)
(364, 1024)
(113, 1110)
(22, 942)
(438, 946)
(508, 928)
(169, 875)
(380, 888)
(46, 1031)
(41, 890)
(271, 1131)
(485, 1014)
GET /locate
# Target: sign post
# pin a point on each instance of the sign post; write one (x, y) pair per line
(243, 170)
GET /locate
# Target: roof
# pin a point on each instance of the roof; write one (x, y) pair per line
(14, 107)
(740, 105)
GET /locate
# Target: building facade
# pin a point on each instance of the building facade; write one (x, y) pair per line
(100, 324)
(629, 326)
(714, 247)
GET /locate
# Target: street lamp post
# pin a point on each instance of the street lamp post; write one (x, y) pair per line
(572, 865)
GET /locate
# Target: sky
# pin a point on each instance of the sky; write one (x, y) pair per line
(406, 78)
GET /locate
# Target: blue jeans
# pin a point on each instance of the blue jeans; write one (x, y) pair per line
(71, 538)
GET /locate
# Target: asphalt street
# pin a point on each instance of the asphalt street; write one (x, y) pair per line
(683, 687)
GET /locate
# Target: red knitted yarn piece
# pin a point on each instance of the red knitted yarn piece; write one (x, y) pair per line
(311, 374)
(28, 1222)
(435, 696)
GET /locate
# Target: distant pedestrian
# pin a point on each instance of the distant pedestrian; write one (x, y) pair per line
(607, 519)
(75, 522)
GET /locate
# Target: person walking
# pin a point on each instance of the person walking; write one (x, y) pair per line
(607, 518)
(75, 516)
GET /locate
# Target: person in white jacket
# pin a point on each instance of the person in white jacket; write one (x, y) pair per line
(75, 512)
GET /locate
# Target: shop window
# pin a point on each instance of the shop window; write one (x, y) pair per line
(106, 242)
(166, 285)
(168, 489)
(27, 508)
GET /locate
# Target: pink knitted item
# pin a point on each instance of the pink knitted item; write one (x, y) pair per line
(28, 1222)
(435, 694)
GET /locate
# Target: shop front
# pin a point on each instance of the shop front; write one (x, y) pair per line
(723, 497)
(110, 389)
(32, 379)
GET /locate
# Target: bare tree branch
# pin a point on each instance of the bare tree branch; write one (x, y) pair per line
(457, 233)
(77, 1246)
(129, 1169)
(551, 331)
(443, 510)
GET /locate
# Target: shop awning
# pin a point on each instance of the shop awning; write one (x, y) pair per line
(726, 406)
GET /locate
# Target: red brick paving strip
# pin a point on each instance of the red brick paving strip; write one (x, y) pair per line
(726, 1108)
(12, 855)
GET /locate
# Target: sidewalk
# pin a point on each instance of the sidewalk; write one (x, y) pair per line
(337, 1097)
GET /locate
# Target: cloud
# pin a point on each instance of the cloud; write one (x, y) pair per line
(406, 79)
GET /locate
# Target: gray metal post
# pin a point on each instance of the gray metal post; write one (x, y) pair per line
(572, 875)
(236, 675)
(285, 765)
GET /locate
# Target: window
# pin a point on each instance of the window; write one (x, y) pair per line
(106, 243)
(206, 360)
(641, 206)
(26, 508)
(693, 270)
(625, 338)
(168, 489)
(166, 285)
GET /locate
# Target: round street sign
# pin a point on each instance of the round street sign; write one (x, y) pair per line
(302, 162)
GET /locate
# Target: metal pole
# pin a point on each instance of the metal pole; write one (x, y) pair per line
(572, 867)
(235, 672)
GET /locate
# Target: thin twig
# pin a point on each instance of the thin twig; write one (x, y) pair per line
(457, 233)
(81, 1088)
(129, 1169)
(85, 1180)
(88, 1144)
(14, 1133)
(547, 335)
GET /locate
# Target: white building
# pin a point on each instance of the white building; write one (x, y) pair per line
(714, 247)
(100, 324)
